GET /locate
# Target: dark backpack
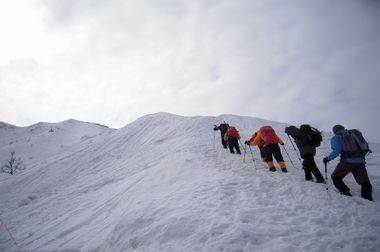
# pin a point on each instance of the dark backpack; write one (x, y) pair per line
(310, 136)
(354, 144)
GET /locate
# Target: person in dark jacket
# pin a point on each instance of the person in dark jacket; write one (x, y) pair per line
(223, 127)
(307, 153)
(346, 165)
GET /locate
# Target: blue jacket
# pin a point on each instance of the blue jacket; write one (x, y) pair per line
(337, 148)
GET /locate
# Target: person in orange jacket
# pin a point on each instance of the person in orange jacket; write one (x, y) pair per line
(271, 148)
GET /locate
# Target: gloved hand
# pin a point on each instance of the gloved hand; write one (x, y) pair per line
(287, 130)
(215, 129)
(282, 144)
(246, 142)
(325, 160)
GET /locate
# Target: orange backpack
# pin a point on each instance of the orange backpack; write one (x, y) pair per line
(268, 135)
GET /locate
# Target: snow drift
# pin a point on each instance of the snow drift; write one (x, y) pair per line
(163, 183)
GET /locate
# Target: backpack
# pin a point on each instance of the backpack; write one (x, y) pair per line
(354, 144)
(269, 135)
(310, 136)
(233, 132)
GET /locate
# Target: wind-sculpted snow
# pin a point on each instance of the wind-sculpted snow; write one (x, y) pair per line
(164, 183)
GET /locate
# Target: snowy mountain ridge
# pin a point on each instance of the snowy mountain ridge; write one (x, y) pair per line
(163, 183)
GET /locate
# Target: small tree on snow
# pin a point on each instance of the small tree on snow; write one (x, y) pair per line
(13, 164)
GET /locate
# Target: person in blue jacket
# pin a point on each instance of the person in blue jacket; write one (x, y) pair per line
(347, 164)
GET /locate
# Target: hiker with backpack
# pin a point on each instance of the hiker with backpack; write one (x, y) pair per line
(307, 139)
(352, 148)
(223, 127)
(271, 148)
(232, 137)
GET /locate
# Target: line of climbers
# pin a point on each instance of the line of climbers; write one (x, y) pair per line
(349, 144)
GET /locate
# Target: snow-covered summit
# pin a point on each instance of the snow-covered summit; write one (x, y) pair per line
(164, 183)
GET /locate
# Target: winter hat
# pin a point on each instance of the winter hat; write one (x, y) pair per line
(337, 128)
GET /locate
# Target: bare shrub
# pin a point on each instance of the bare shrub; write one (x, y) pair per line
(13, 164)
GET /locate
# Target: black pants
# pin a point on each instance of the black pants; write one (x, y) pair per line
(233, 143)
(310, 167)
(272, 150)
(360, 174)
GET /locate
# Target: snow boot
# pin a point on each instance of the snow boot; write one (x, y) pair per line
(367, 191)
(321, 181)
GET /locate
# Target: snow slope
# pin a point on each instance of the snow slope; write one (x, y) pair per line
(41, 141)
(162, 183)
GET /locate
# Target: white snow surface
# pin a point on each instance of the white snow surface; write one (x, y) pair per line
(162, 183)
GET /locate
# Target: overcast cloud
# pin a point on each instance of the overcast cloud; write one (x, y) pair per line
(112, 61)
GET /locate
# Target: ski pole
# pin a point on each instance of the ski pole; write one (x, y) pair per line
(241, 145)
(289, 157)
(294, 148)
(327, 187)
(245, 150)
(253, 159)
(327, 183)
(214, 139)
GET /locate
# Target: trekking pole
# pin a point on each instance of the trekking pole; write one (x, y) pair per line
(289, 157)
(253, 159)
(245, 150)
(241, 145)
(327, 184)
(294, 148)
(327, 187)
(214, 139)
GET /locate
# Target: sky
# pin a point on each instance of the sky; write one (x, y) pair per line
(114, 61)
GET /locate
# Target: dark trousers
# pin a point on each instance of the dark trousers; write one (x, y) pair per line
(233, 143)
(360, 174)
(272, 150)
(310, 167)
